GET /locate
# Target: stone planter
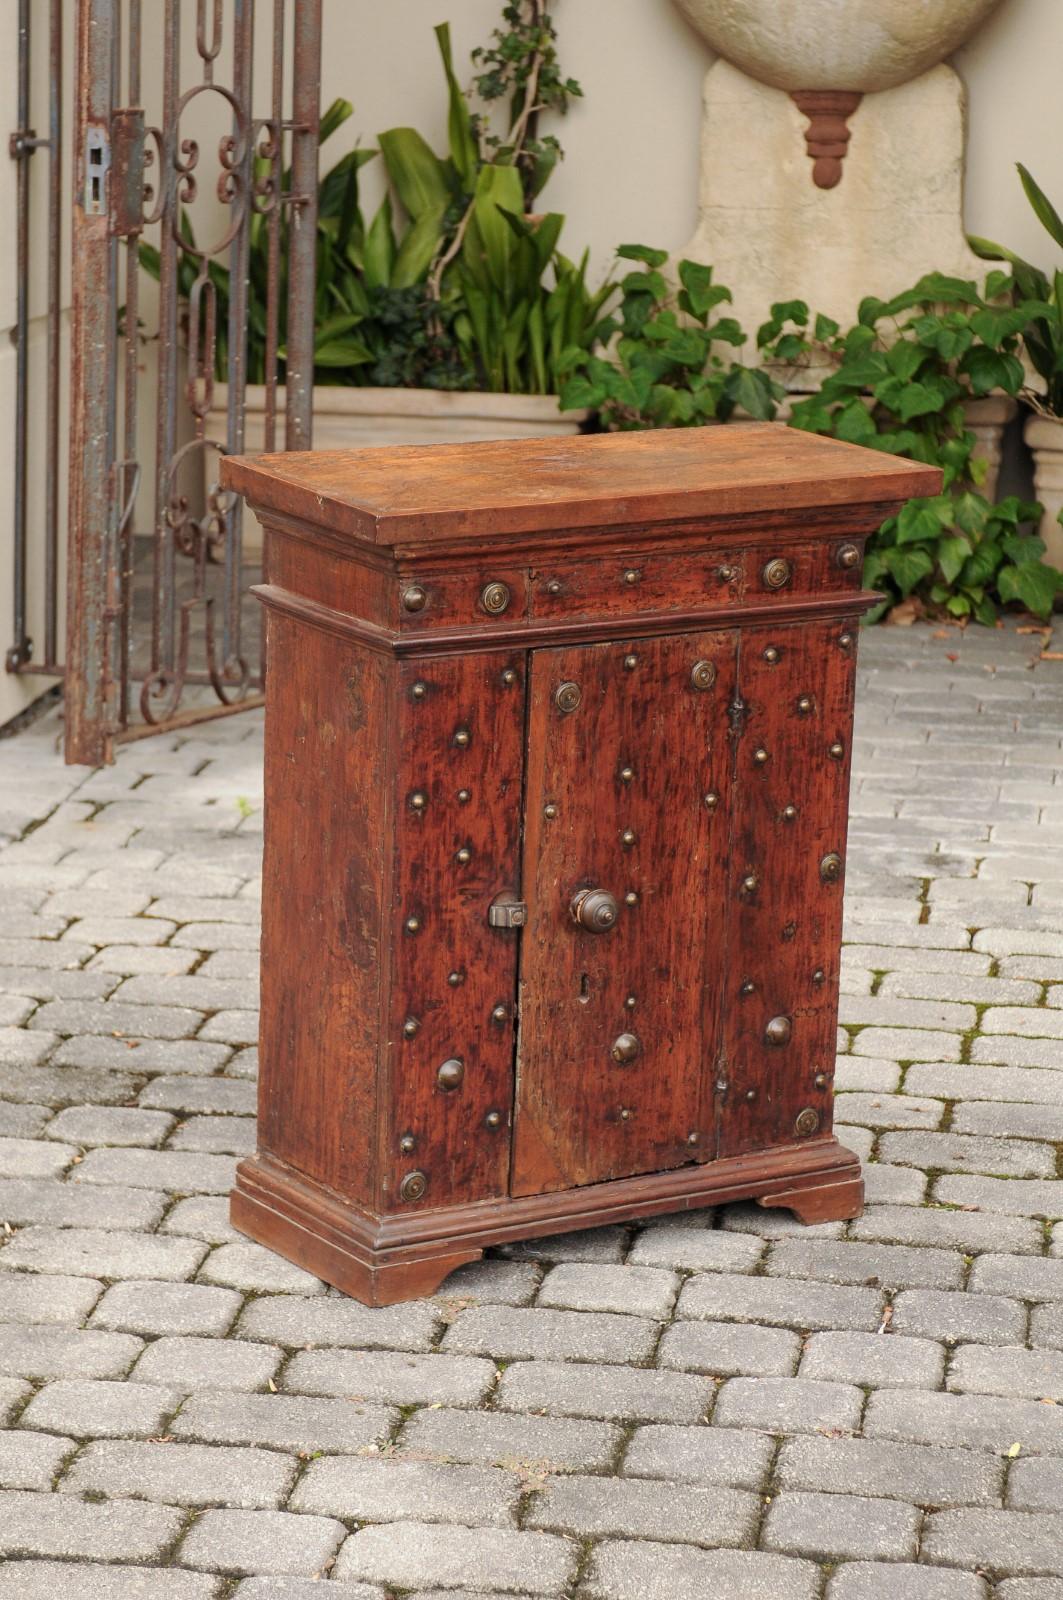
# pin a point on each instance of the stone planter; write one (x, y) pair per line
(1044, 435)
(353, 419)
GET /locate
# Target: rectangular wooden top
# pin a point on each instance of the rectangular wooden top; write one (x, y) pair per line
(425, 492)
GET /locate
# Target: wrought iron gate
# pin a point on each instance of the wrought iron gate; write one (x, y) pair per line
(157, 572)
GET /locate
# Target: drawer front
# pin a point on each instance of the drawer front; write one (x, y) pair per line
(623, 586)
(481, 596)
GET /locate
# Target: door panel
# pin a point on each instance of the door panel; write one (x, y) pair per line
(616, 792)
(784, 899)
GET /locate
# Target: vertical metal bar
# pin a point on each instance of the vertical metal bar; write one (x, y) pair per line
(163, 601)
(130, 371)
(21, 647)
(302, 233)
(239, 256)
(92, 391)
(273, 226)
(52, 401)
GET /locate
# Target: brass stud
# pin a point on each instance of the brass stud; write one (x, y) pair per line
(778, 1031)
(632, 575)
(771, 655)
(789, 812)
(413, 924)
(410, 1027)
(692, 1138)
(836, 751)
(464, 796)
(419, 690)
(789, 931)
(450, 1074)
(760, 755)
(631, 662)
(499, 1014)
(821, 1080)
(418, 800)
(703, 674)
(712, 800)
(751, 1094)
(819, 976)
(550, 812)
(509, 677)
(626, 774)
(495, 597)
(413, 1186)
(727, 574)
(456, 979)
(567, 697)
(463, 856)
(407, 1143)
(776, 574)
(625, 1114)
(553, 587)
(748, 987)
(845, 640)
(631, 1002)
(414, 598)
(847, 556)
(493, 1119)
(626, 1048)
(628, 837)
(749, 883)
(804, 705)
(462, 737)
(807, 1123)
(631, 898)
(830, 868)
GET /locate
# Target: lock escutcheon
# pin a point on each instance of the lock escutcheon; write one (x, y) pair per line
(594, 910)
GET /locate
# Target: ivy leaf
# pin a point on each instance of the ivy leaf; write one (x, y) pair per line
(993, 326)
(958, 605)
(578, 394)
(991, 369)
(952, 552)
(920, 522)
(1022, 548)
(919, 400)
(825, 328)
(753, 390)
(909, 566)
(905, 358)
(981, 565)
(1033, 584)
(642, 252)
(970, 511)
(854, 424)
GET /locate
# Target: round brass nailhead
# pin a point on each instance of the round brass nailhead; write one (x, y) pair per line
(550, 812)
(819, 976)
(631, 662)
(628, 837)
(414, 598)
(821, 1080)
(749, 884)
(464, 855)
(776, 573)
(692, 1138)
(749, 987)
(631, 898)
(807, 1123)
(410, 1027)
(632, 575)
(418, 800)
(631, 1002)
(626, 774)
(462, 737)
(712, 800)
(847, 556)
(771, 655)
(778, 1031)
(495, 597)
(450, 1074)
(703, 674)
(509, 677)
(789, 812)
(751, 1094)
(413, 924)
(407, 1143)
(553, 587)
(727, 574)
(626, 1048)
(830, 868)
(760, 756)
(836, 751)
(493, 1119)
(464, 796)
(419, 690)
(567, 697)
(845, 640)
(499, 1014)
(804, 705)
(413, 1186)
(456, 979)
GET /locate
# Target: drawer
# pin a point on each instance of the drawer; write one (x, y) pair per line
(623, 586)
(481, 596)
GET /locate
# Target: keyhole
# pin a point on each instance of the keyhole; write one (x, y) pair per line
(584, 988)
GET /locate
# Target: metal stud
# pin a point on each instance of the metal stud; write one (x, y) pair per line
(499, 1014)
(703, 674)
(419, 690)
(776, 573)
(626, 774)
(407, 1143)
(760, 755)
(567, 697)
(493, 1119)
(631, 662)
(692, 1138)
(509, 677)
(626, 1048)
(807, 1123)
(778, 1031)
(455, 979)
(631, 1002)
(410, 1027)
(631, 898)
(751, 1094)
(749, 884)
(413, 924)
(463, 856)
(553, 587)
(748, 987)
(625, 1114)
(464, 796)
(821, 1080)
(462, 737)
(413, 1186)
(495, 597)
(632, 575)
(847, 556)
(414, 598)
(830, 868)
(450, 1074)
(836, 751)
(819, 976)
(845, 641)
(628, 837)
(712, 800)
(789, 812)
(418, 800)
(789, 931)
(770, 655)
(727, 574)
(804, 705)
(550, 812)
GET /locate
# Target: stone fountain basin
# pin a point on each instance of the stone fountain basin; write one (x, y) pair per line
(856, 45)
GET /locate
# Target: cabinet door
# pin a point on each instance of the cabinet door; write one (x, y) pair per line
(628, 773)
(790, 809)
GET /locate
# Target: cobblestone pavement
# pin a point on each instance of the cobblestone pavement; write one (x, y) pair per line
(709, 1406)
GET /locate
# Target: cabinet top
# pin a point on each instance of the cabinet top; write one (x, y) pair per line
(390, 495)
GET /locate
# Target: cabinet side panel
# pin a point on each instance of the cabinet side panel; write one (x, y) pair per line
(790, 814)
(459, 724)
(322, 896)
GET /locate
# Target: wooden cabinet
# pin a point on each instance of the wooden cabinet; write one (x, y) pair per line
(557, 766)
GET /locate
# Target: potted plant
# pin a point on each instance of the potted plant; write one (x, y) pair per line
(1042, 342)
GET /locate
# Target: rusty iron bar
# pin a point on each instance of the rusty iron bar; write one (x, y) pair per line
(90, 558)
(275, 150)
(21, 146)
(239, 257)
(302, 229)
(163, 620)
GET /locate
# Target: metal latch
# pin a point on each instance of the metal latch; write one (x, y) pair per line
(507, 913)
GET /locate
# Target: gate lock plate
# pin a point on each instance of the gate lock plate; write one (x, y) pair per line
(506, 913)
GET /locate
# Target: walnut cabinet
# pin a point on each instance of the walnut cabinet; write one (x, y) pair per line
(558, 737)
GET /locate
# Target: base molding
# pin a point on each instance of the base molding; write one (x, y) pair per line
(383, 1258)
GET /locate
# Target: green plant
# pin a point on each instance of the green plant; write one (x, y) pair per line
(901, 377)
(664, 371)
(1042, 301)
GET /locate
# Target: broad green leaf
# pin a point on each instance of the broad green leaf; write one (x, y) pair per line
(463, 151)
(697, 281)
(982, 564)
(420, 244)
(993, 326)
(825, 328)
(1033, 584)
(642, 252)
(919, 522)
(908, 566)
(341, 353)
(958, 605)
(753, 390)
(952, 552)
(578, 394)
(1044, 210)
(380, 247)
(416, 172)
(970, 511)
(992, 369)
